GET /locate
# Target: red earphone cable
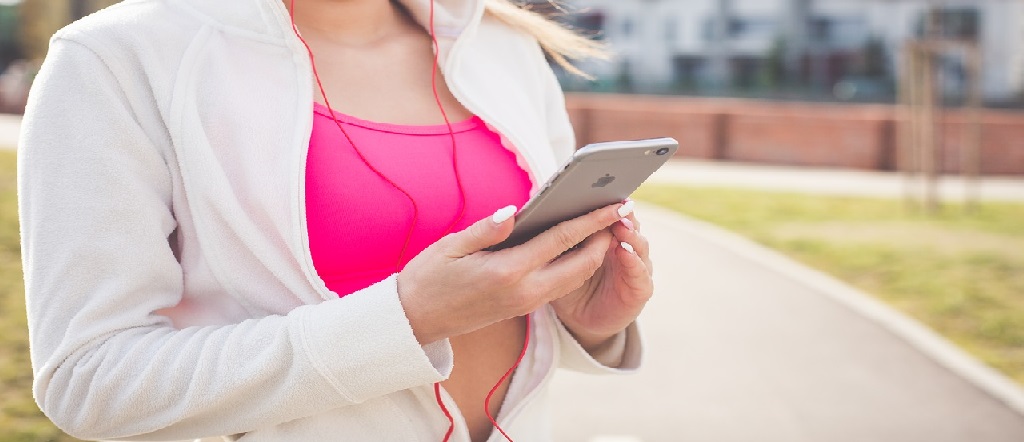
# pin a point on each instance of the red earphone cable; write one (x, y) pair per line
(437, 98)
(458, 180)
(415, 218)
(487, 401)
(319, 83)
(447, 414)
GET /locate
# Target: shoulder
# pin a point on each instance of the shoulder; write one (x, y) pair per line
(130, 53)
(135, 46)
(133, 32)
(129, 19)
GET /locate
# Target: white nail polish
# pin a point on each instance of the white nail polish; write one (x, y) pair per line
(628, 247)
(504, 214)
(626, 209)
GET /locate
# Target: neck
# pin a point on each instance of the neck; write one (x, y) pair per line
(348, 21)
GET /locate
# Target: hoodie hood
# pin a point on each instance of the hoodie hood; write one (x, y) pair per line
(270, 18)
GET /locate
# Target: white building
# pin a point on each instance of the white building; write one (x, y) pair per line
(709, 42)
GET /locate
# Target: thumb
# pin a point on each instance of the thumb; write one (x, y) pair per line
(484, 233)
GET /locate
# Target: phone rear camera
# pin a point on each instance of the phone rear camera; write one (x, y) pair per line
(662, 151)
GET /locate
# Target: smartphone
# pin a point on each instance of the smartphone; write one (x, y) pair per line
(596, 176)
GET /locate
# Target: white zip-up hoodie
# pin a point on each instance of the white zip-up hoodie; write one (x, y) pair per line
(170, 288)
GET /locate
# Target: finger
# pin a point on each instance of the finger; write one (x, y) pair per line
(482, 234)
(632, 215)
(639, 242)
(628, 223)
(635, 272)
(631, 262)
(636, 222)
(574, 268)
(555, 241)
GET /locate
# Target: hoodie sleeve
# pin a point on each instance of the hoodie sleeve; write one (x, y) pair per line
(94, 194)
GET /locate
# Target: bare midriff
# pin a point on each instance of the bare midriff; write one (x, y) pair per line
(481, 358)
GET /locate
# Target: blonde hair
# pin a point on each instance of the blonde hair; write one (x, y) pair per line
(559, 42)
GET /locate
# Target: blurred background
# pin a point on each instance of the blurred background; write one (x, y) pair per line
(841, 233)
(824, 50)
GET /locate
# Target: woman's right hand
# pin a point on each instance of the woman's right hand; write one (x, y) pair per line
(455, 286)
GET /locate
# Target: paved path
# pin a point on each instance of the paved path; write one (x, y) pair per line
(740, 352)
(824, 181)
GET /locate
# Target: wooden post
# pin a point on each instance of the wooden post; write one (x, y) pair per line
(928, 151)
(921, 107)
(906, 128)
(910, 129)
(971, 155)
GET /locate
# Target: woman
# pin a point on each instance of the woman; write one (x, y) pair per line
(251, 219)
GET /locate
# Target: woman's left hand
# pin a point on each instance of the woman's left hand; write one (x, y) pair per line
(613, 298)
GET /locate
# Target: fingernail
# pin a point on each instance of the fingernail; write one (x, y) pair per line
(629, 224)
(628, 247)
(503, 214)
(626, 209)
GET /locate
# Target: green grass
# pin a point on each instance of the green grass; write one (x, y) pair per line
(962, 274)
(20, 419)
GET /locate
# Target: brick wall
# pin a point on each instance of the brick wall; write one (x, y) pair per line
(821, 135)
(1002, 144)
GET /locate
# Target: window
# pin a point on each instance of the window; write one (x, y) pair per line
(821, 29)
(627, 26)
(711, 32)
(956, 23)
(738, 27)
(756, 26)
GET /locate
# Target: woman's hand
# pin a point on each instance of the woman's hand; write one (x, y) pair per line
(455, 286)
(618, 291)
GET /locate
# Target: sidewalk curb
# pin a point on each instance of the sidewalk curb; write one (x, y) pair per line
(914, 333)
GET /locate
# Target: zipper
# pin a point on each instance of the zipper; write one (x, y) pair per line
(451, 80)
(305, 111)
(512, 137)
(531, 162)
(459, 421)
(514, 413)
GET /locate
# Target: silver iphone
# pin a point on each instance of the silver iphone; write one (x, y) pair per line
(596, 176)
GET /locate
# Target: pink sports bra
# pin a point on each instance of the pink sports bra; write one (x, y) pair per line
(358, 222)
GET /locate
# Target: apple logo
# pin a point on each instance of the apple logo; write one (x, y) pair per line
(603, 181)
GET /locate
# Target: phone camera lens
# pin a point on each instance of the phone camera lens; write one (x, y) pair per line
(662, 151)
